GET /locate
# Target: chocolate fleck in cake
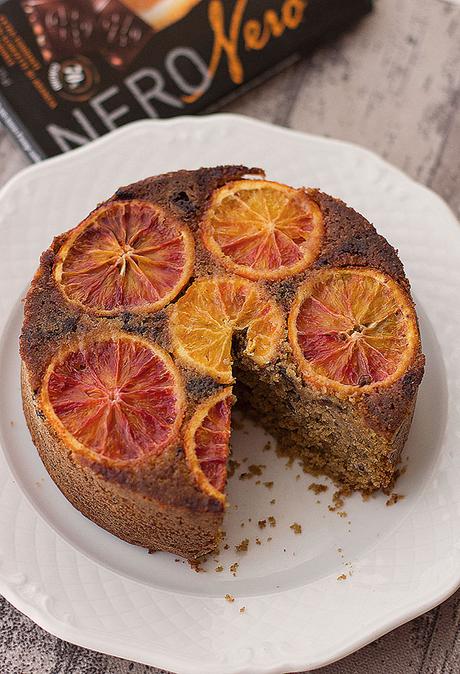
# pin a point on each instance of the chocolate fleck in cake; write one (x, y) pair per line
(178, 292)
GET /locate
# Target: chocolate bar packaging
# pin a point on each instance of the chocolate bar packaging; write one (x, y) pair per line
(72, 71)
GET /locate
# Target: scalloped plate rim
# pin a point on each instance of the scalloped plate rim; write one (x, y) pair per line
(164, 660)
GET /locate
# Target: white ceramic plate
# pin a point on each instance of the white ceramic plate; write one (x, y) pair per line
(86, 586)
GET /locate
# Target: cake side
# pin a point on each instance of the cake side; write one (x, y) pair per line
(130, 512)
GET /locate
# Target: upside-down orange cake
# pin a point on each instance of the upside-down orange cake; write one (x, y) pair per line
(140, 320)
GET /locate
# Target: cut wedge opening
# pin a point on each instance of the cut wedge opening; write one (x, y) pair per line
(204, 320)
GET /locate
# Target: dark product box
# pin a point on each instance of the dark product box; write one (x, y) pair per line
(72, 71)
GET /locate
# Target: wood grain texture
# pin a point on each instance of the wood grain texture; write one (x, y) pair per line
(392, 84)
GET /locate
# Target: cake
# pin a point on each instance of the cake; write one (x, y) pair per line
(186, 291)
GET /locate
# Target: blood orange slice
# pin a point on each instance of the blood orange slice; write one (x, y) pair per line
(206, 443)
(352, 329)
(119, 398)
(204, 320)
(126, 256)
(263, 230)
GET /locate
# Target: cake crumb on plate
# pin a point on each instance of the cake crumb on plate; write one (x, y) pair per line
(243, 546)
(232, 466)
(394, 498)
(317, 488)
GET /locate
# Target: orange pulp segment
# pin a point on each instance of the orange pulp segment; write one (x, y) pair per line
(204, 320)
(263, 230)
(206, 443)
(126, 256)
(120, 398)
(352, 329)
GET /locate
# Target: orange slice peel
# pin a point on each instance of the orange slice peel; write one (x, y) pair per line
(206, 443)
(352, 330)
(126, 256)
(204, 320)
(114, 398)
(263, 230)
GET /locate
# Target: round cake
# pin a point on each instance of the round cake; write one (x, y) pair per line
(185, 292)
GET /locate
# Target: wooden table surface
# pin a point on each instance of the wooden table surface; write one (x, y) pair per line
(392, 84)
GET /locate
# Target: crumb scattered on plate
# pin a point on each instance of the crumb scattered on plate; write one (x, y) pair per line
(195, 564)
(243, 546)
(338, 498)
(253, 469)
(317, 488)
(232, 466)
(296, 528)
(394, 498)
